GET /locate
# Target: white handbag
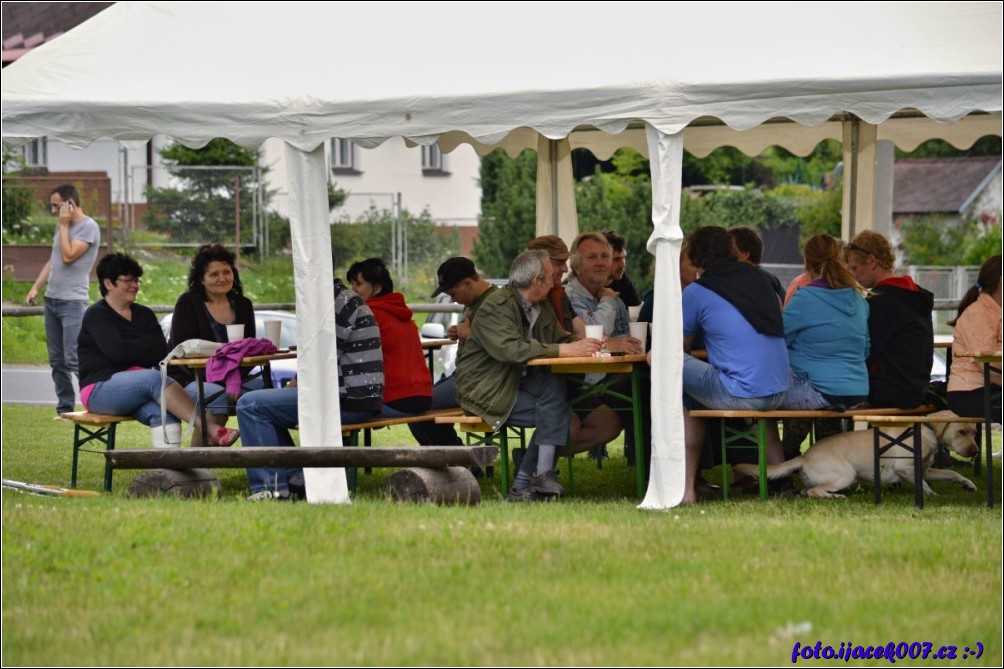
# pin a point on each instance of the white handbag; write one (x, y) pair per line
(193, 348)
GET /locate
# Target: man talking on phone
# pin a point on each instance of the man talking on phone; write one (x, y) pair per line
(65, 278)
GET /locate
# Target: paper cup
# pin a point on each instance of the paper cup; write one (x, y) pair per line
(639, 331)
(273, 330)
(235, 332)
(634, 312)
(594, 332)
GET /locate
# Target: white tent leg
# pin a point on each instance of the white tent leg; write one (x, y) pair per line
(860, 145)
(666, 483)
(556, 214)
(317, 362)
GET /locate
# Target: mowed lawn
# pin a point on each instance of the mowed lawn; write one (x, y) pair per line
(589, 580)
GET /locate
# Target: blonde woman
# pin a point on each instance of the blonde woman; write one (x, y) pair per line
(826, 331)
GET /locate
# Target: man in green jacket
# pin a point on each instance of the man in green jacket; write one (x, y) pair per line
(514, 325)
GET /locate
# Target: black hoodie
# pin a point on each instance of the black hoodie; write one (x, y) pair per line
(902, 343)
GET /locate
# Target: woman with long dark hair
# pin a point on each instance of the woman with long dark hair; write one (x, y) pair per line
(214, 300)
(977, 330)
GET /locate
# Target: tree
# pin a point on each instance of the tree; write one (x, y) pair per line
(203, 208)
(930, 240)
(508, 210)
(369, 236)
(621, 201)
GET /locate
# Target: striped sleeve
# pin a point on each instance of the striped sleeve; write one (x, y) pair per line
(360, 358)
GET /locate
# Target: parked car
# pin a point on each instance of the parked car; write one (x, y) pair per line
(282, 370)
(437, 325)
(444, 360)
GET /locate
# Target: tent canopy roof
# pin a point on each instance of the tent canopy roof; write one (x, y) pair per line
(371, 71)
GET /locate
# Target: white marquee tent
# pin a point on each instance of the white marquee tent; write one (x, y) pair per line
(655, 76)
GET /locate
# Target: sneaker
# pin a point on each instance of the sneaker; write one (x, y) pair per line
(268, 496)
(524, 495)
(546, 484)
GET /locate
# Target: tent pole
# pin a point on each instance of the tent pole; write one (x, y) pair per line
(552, 162)
(317, 361)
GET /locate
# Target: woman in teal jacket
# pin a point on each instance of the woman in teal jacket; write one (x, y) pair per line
(826, 330)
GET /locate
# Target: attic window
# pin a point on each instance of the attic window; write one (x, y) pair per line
(36, 153)
(433, 161)
(343, 157)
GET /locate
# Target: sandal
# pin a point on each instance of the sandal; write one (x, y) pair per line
(225, 436)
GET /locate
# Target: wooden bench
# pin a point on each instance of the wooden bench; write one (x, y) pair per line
(88, 427)
(302, 456)
(439, 481)
(756, 430)
(485, 434)
(913, 434)
(351, 431)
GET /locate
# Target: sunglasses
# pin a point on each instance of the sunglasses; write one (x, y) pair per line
(852, 247)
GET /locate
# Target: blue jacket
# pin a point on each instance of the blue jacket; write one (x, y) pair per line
(827, 336)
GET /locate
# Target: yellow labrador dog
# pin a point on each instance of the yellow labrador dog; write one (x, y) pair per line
(834, 463)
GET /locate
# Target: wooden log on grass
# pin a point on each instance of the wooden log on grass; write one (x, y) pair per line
(435, 457)
(448, 486)
(186, 483)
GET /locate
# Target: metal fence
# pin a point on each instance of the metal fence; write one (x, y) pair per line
(189, 206)
(947, 283)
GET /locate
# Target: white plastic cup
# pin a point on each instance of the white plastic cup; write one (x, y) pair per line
(235, 332)
(594, 332)
(639, 331)
(273, 330)
(634, 312)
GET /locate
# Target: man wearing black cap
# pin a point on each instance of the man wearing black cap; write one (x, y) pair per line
(459, 279)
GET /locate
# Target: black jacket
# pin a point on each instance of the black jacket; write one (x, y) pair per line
(191, 321)
(902, 343)
(109, 344)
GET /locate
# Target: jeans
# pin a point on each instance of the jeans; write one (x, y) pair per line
(264, 418)
(703, 387)
(801, 396)
(542, 402)
(444, 396)
(63, 319)
(133, 393)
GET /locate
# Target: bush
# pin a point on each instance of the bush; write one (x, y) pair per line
(18, 200)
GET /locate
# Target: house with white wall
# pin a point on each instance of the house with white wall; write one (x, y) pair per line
(389, 176)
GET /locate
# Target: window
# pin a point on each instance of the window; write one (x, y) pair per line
(343, 157)
(36, 153)
(433, 161)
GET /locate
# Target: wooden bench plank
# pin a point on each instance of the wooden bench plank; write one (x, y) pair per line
(88, 418)
(268, 456)
(821, 413)
(424, 417)
(907, 421)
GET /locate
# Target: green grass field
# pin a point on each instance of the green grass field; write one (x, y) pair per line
(589, 580)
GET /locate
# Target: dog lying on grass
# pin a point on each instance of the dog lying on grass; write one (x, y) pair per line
(834, 463)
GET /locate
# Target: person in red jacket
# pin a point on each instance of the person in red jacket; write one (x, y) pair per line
(407, 382)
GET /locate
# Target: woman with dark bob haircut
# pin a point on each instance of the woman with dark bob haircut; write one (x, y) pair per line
(214, 300)
(120, 346)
